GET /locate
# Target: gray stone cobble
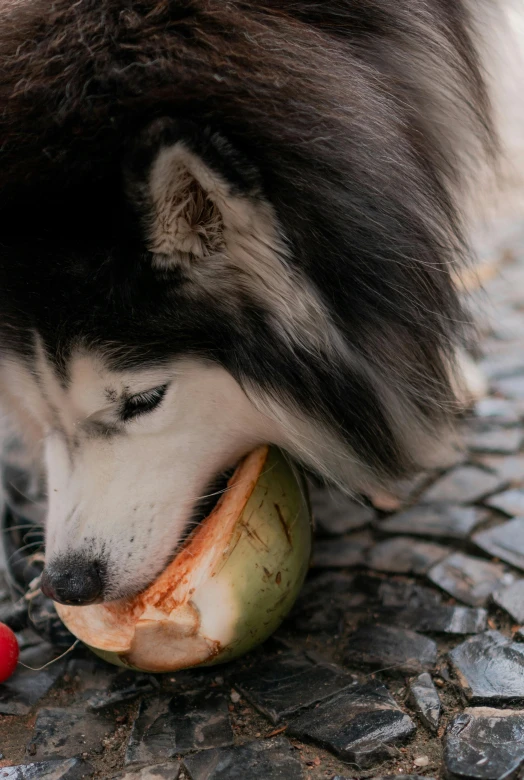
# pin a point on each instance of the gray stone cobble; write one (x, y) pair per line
(485, 744)
(490, 668)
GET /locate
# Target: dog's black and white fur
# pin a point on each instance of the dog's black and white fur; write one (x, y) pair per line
(225, 223)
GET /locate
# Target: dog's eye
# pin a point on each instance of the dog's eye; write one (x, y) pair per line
(143, 402)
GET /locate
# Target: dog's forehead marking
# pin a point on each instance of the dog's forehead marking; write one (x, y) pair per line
(93, 385)
(111, 394)
(88, 384)
(89, 400)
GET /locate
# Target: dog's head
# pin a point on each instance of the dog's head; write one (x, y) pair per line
(156, 333)
(150, 340)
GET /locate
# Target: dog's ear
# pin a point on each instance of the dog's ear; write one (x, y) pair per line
(193, 192)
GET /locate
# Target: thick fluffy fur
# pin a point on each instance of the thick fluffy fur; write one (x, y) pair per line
(268, 190)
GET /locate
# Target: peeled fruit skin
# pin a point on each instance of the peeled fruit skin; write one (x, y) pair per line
(226, 591)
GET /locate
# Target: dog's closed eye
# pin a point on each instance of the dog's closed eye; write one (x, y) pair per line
(141, 403)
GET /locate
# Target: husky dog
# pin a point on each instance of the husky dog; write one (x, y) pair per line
(226, 223)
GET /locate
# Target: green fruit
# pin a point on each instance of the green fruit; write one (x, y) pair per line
(229, 587)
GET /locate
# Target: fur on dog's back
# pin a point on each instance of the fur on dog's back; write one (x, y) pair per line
(361, 120)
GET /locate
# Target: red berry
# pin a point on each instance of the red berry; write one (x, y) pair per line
(9, 652)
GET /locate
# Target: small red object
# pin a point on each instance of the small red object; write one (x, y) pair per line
(9, 652)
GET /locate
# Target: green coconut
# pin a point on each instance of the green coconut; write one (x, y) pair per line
(230, 586)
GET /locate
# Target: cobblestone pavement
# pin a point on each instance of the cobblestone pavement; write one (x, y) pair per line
(404, 654)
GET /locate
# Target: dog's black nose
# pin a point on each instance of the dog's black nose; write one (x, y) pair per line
(74, 581)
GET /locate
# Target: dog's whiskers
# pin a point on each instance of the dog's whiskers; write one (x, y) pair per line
(22, 549)
(29, 527)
